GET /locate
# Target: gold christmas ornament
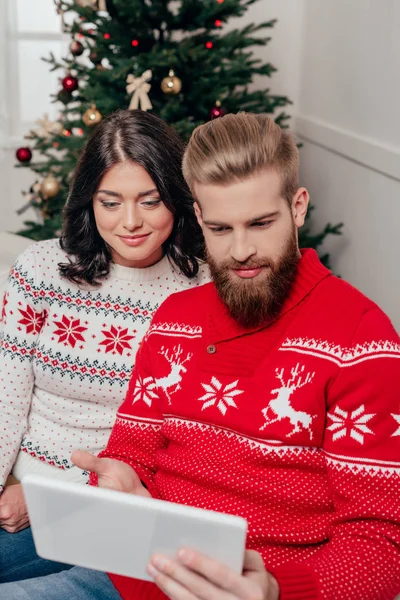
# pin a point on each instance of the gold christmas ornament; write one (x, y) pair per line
(171, 85)
(49, 187)
(92, 116)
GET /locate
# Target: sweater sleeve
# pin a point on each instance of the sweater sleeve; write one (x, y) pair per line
(362, 453)
(136, 436)
(22, 319)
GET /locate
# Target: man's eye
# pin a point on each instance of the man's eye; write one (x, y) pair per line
(218, 229)
(261, 224)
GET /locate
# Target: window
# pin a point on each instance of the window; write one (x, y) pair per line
(32, 31)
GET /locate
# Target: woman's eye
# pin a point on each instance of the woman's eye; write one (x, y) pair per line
(151, 203)
(109, 204)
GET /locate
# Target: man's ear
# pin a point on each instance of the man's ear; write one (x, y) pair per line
(197, 212)
(299, 206)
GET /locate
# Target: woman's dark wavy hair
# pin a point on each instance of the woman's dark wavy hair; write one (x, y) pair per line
(143, 138)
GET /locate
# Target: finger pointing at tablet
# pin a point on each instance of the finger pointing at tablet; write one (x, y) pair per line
(112, 474)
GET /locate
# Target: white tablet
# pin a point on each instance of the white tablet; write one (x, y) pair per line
(118, 533)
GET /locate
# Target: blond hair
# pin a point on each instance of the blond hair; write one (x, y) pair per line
(237, 146)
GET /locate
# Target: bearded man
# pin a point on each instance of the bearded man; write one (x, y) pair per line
(271, 393)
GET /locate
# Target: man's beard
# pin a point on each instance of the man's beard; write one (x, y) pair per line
(252, 302)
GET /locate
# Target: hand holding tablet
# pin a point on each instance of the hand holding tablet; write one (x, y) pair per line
(112, 474)
(119, 532)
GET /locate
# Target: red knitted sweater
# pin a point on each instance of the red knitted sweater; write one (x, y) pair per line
(294, 426)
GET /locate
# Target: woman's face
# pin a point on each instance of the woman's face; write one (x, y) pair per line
(130, 216)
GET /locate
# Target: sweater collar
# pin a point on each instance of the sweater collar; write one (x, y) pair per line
(140, 275)
(310, 272)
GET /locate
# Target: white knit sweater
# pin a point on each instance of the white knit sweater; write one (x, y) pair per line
(66, 353)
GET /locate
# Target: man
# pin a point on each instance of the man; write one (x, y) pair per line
(272, 393)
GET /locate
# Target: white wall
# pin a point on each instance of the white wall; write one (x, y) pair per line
(283, 49)
(348, 114)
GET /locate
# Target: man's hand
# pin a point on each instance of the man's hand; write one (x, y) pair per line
(13, 513)
(193, 576)
(112, 474)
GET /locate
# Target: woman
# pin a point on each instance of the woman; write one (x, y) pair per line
(76, 309)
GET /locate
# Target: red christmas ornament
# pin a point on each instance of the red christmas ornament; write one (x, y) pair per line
(209, 45)
(95, 58)
(218, 23)
(76, 48)
(106, 36)
(24, 155)
(135, 43)
(217, 111)
(69, 83)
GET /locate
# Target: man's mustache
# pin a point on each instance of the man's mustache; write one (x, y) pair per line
(248, 264)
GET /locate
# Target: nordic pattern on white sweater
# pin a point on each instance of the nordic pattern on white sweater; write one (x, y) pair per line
(67, 351)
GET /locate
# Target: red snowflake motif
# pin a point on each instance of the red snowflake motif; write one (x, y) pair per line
(116, 340)
(32, 320)
(3, 308)
(69, 331)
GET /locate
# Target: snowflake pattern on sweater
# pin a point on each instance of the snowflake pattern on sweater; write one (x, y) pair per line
(290, 426)
(67, 351)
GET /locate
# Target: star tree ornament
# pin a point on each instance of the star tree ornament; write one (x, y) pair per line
(46, 128)
(139, 87)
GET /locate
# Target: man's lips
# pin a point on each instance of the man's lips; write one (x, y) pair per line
(248, 272)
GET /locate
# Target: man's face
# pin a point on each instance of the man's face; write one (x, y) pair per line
(251, 239)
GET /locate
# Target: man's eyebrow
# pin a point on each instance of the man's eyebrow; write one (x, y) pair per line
(267, 215)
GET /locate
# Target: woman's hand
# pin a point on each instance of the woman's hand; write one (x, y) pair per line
(13, 512)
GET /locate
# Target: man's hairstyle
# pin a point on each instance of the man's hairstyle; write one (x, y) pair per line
(237, 146)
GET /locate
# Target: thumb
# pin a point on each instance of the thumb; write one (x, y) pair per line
(253, 561)
(87, 462)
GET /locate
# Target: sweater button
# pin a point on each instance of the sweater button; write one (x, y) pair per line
(211, 349)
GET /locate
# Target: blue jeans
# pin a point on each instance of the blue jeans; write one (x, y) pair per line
(18, 558)
(74, 584)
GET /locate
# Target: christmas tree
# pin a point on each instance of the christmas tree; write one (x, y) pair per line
(175, 58)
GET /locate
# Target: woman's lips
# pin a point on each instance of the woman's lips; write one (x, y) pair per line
(134, 240)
